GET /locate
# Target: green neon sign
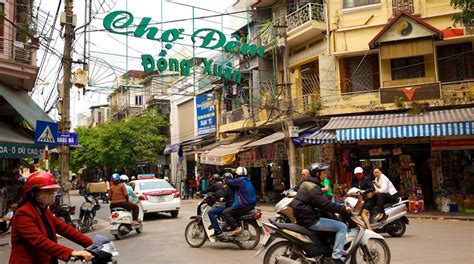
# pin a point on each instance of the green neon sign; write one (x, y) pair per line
(117, 22)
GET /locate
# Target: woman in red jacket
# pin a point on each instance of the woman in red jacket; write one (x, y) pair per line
(33, 237)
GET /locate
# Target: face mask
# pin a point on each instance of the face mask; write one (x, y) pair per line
(359, 176)
(45, 199)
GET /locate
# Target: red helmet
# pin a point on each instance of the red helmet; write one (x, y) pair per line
(42, 180)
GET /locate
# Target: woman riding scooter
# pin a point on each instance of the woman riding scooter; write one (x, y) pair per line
(118, 195)
(34, 228)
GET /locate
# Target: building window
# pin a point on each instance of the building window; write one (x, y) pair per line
(360, 74)
(356, 3)
(455, 62)
(408, 68)
(138, 100)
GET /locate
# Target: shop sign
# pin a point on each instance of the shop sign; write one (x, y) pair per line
(397, 151)
(118, 22)
(375, 152)
(206, 114)
(10, 150)
(460, 143)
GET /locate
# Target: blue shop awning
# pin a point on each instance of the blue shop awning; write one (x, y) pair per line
(453, 122)
(321, 137)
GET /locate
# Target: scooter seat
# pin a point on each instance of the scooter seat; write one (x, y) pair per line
(296, 228)
(117, 209)
(388, 205)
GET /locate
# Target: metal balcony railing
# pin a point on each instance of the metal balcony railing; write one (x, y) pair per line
(306, 13)
(232, 116)
(16, 51)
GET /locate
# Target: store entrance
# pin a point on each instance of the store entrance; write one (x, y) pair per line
(255, 177)
(420, 155)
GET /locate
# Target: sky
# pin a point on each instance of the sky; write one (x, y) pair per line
(108, 51)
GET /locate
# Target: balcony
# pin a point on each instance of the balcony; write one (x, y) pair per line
(17, 64)
(236, 120)
(305, 23)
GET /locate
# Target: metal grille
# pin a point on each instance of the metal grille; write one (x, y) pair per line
(402, 5)
(361, 79)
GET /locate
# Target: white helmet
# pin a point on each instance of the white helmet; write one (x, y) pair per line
(241, 171)
(124, 177)
(358, 170)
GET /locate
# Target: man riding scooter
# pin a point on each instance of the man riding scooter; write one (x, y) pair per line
(219, 190)
(118, 195)
(244, 199)
(310, 202)
(364, 183)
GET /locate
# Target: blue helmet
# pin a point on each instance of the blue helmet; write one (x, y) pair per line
(115, 177)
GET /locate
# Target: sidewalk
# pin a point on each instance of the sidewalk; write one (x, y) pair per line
(435, 215)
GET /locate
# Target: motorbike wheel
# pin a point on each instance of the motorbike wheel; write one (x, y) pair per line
(139, 229)
(195, 234)
(118, 236)
(397, 228)
(249, 238)
(282, 249)
(84, 225)
(378, 250)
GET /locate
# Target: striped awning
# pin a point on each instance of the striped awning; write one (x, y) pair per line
(453, 122)
(321, 137)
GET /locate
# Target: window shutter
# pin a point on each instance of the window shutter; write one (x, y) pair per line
(345, 75)
(374, 60)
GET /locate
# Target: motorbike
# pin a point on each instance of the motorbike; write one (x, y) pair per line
(297, 244)
(65, 212)
(200, 229)
(103, 250)
(395, 221)
(121, 221)
(87, 213)
(283, 209)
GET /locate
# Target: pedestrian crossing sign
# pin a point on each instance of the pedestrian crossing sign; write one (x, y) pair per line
(46, 133)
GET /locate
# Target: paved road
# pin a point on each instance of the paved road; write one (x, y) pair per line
(426, 241)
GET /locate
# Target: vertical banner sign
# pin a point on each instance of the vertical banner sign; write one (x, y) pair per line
(206, 114)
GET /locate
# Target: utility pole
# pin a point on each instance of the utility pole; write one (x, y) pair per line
(288, 123)
(65, 123)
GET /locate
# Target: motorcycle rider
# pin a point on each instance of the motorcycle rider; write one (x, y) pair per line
(310, 202)
(244, 199)
(304, 177)
(131, 193)
(385, 192)
(364, 183)
(219, 190)
(34, 229)
(118, 196)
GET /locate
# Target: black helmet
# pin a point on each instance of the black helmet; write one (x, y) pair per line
(227, 176)
(317, 167)
(216, 177)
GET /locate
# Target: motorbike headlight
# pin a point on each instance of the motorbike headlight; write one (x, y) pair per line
(110, 248)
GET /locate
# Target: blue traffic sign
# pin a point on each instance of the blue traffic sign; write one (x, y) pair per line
(46, 133)
(67, 138)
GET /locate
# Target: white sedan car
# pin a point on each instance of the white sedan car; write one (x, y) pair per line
(157, 195)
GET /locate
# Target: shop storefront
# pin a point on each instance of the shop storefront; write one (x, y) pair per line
(452, 166)
(422, 155)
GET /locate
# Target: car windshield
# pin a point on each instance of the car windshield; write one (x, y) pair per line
(151, 185)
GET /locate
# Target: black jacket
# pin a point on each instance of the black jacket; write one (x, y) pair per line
(365, 184)
(219, 190)
(310, 201)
